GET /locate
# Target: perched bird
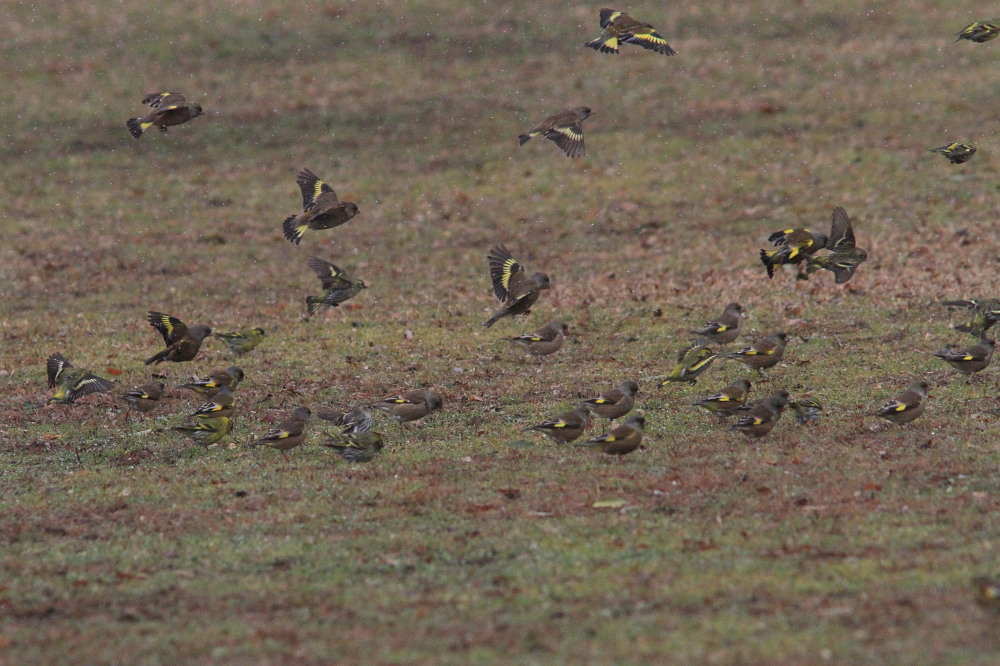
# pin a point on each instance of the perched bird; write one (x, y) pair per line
(338, 284)
(210, 385)
(624, 439)
(617, 27)
(956, 152)
(806, 410)
(222, 404)
(764, 353)
(728, 400)
(169, 108)
(355, 447)
(566, 427)
(615, 403)
(352, 419)
(691, 362)
(182, 342)
(726, 328)
(987, 593)
(970, 360)
(143, 398)
(907, 406)
(321, 209)
(763, 416)
(844, 257)
(207, 431)
(793, 246)
(564, 128)
(546, 340)
(242, 342)
(512, 287)
(980, 31)
(70, 382)
(985, 313)
(411, 405)
(290, 433)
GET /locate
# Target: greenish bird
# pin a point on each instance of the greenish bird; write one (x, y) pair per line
(70, 382)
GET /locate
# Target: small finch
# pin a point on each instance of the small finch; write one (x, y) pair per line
(956, 152)
(411, 405)
(985, 313)
(169, 108)
(70, 382)
(907, 406)
(210, 385)
(763, 416)
(221, 405)
(546, 340)
(320, 208)
(207, 431)
(182, 342)
(793, 246)
(728, 400)
(143, 398)
(512, 287)
(618, 27)
(844, 257)
(980, 31)
(726, 328)
(691, 362)
(352, 419)
(290, 433)
(242, 342)
(764, 353)
(970, 360)
(615, 403)
(566, 427)
(338, 284)
(806, 410)
(355, 447)
(622, 440)
(564, 128)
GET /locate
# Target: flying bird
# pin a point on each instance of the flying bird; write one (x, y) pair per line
(169, 109)
(564, 128)
(321, 209)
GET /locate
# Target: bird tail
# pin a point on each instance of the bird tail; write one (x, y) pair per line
(523, 139)
(157, 358)
(766, 259)
(313, 304)
(609, 45)
(494, 319)
(136, 127)
(292, 231)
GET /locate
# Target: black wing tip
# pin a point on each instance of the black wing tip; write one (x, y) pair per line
(134, 127)
(291, 233)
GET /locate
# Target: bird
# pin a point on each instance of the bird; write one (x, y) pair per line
(762, 354)
(907, 406)
(222, 404)
(242, 342)
(288, 434)
(614, 403)
(985, 313)
(793, 246)
(182, 342)
(620, 441)
(724, 329)
(844, 257)
(207, 431)
(806, 410)
(352, 419)
(355, 447)
(564, 128)
(321, 209)
(169, 108)
(618, 27)
(546, 340)
(969, 360)
(987, 593)
(980, 31)
(763, 416)
(210, 385)
(728, 400)
(143, 398)
(957, 152)
(512, 287)
(691, 362)
(411, 405)
(71, 382)
(338, 284)
(566, 427)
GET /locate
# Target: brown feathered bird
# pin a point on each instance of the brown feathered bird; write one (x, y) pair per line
(511, 285)
(321, 209)
(566, 427)
(169, 109)
(969, 360)
(288, 434)
(622, 440)
(618, 27)
(546, 340)
(143, 398)
(564, 128)
(210, 385)
(762, 354)
(763, 416)
(338, 285)
(182, 341)
(411, 405)
(615, 403)
(907, 406)
(724, 329)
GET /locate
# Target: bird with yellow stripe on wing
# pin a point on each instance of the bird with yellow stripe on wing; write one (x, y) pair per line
(321, 209)
(169, 109)
(72, 383)
(512, 287)
(564, 128)
(618, 27)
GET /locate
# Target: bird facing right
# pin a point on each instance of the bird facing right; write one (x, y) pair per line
(907, 406)
(564, 128)
(614, 403)
(512, 287)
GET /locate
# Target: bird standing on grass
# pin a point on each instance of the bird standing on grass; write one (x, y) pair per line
(411, 405)
(762, 354)
(213, 383)
(338, 284)
(970, 360)
(357, 447)
(806, 410)
(618, 27)
(763, 416)
(183, 342)
(691, 362)
(566, 427)
(143, 398)
(622, 440)
(980, 31)
(351, 419)
(907, 406)
(321, 209)
(512, 287)
(615, 403)
(564, 128)
(957, 152)
(725, 329)
(169, 108)
(72, 383)
(290, 433)
(207, 431)
(546, 340)
(242, 342)
(844, 256)
(793, 247)
(222, 404)
(728, 400)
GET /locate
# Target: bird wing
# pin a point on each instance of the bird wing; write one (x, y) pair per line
(330, 275)
(607, 16)
(163, 100)
(171, 328)
(54, 367)
(841, 232)
(312, 188)
(569, 139)
(506, 273)
(88, 384)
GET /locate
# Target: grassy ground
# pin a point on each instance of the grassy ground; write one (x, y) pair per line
(851, 542)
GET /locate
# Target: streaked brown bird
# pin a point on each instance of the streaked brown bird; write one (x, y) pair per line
(566, 427)
(70, 382)
(844, 256)
(724, 329)
(615, 403)
(806, 410)
(169, 109)
(691, 362)
(564, 128)
(622, 440)
(969, 360)
(762, 354)
(223, 404)
(907, 406)
(618, 27)
(359, 447)
(210, 385)
(338, 284)
(511, 285)
(546, 340)
(288, 434)
(321, 209)
(143, 398)
(183, 342)
(351, 419)
(411, 405)
(728, 400)
(763, 416)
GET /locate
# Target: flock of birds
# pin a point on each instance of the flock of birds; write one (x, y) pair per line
(517, 291)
